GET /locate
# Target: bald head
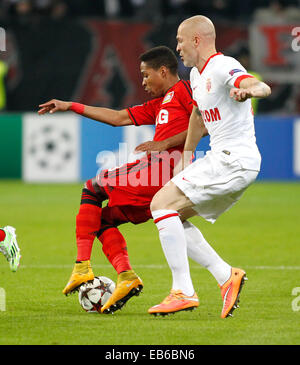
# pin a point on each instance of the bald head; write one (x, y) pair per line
(196, 37)
(200, 25)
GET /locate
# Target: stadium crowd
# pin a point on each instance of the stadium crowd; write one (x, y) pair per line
(148, 9)
(29, 18)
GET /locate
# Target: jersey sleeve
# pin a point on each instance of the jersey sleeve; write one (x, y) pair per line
(186, 96)
(143, 114)
(232, 73)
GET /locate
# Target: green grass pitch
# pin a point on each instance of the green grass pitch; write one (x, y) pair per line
(260, 234)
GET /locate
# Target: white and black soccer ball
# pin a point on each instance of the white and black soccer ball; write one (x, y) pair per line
(94, 294)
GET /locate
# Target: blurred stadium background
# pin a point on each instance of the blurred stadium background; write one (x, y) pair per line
(87, 51)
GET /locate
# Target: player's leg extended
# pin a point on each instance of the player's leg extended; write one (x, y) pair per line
(115, 249)
(128, 283)
(88, 222)
(200, 251)
(165, 207)
(9, 247)
(229, 279)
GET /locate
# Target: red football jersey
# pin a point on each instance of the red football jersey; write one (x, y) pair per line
(169, 113)
(134, 184)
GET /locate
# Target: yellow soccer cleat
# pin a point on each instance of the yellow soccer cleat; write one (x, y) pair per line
(230, 291)
(128, 285)
(176, 301)
(81, 273)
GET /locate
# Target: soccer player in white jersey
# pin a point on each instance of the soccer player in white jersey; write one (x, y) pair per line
(222, 92)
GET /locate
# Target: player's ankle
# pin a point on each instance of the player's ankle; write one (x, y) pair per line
(81, 261)
(126, 275)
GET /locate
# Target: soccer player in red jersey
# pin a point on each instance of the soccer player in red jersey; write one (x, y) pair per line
(130, 188)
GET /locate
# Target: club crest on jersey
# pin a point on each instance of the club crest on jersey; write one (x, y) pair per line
(168, 97)
(208, 85)
(235, 70)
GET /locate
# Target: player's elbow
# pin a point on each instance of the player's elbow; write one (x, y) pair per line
(115, 119)
(268, 90)
(121, 119)
(265, 89)
(205, 132)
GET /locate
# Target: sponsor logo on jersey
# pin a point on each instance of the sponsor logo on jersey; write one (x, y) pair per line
(162, 117)
(168, 97)
(211, 115)
(235, 70)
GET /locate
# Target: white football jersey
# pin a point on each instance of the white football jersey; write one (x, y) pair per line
(230, 123)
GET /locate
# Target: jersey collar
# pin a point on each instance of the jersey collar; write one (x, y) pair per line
(170, 88)
(215, 54)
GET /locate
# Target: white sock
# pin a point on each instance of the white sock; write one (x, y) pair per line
(172, 238)
(200, 251)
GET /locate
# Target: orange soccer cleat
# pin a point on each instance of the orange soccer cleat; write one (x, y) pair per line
(128, 285)
(82, 272)
(230, 291)
(176, 301)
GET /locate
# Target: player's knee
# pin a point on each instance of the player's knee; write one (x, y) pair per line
(170, 198)
(161, 201)
(90, 185)
(155, 204)
(95, 189)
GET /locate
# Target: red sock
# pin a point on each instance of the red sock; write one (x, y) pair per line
(115, 249)
(88, 219)
(2, 235)
(88, 222)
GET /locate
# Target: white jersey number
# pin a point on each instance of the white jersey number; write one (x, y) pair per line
(162, 117)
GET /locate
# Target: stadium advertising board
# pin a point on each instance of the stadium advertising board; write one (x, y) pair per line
(275, 51)
(71, 148)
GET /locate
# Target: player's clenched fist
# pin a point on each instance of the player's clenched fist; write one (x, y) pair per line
(53, 106)
(240, 94)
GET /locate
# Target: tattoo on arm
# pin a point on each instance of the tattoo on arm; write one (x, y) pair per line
(198, 112)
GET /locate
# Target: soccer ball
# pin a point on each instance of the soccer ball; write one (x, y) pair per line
(94, 294)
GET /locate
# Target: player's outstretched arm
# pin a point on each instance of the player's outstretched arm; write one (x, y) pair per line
(112, 117)
(250, 87)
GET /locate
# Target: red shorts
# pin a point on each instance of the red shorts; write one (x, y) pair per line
(114, 216)
(124, 214)
(136, 183)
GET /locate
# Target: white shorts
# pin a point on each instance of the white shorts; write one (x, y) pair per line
(214, 183)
